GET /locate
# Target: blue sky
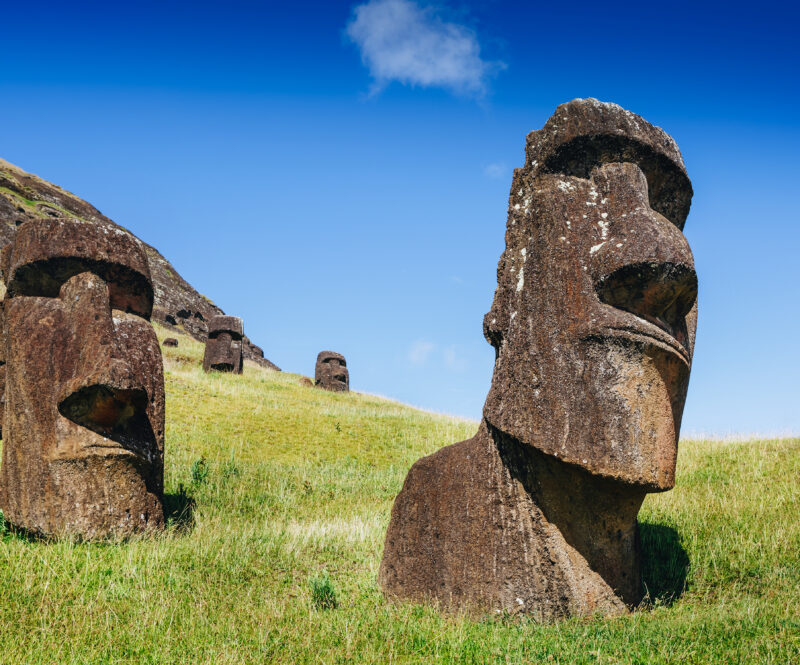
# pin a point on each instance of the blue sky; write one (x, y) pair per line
(337, 173)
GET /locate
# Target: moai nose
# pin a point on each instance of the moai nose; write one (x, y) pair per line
(103, 391)
(645, 266)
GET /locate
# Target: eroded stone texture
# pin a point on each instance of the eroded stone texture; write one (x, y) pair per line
(83, 429)
(331, 372)
(224, 345)
(170, 341)
(593, 324)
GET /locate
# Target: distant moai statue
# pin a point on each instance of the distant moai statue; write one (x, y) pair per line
(170, 341)
(83, 427)
(224, 345)
(331, 372)
(593, 324)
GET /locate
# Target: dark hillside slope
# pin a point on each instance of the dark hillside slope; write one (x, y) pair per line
(178, 306)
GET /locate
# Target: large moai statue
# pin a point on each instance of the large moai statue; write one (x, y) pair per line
(593, 324)
(224, 345)
(83, 428)
(331, 372)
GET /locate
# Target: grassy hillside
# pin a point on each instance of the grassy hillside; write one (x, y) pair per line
(279, 496)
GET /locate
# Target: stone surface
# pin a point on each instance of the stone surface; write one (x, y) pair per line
(24, 196)
(224, 345)
(83, 428)
(170, 341)
(593, 324)
(331, 372)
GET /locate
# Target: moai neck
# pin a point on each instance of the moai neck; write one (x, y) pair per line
(596, 516)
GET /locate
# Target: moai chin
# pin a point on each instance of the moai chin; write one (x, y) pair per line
(83, 428)
(331, 372)
(593, 325)
(224, 345)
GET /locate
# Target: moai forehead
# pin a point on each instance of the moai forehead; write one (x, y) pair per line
(594, 316)
(331, 358)
(226, 324)
(46, 253)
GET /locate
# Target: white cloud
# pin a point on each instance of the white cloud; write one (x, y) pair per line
(401, 41)
(495, 171)
(453, 360)
(420, 352)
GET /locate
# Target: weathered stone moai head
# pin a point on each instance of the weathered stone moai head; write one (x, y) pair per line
(83, 429)
(593, 323)
(224, 345)
(170, 341)
(593, 320)
(331, 372)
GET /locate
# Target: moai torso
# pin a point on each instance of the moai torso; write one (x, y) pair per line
(224, 345)
(331, 372)
(593, 324)
(83, 428)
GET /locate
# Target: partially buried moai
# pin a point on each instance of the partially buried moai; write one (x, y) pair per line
(224, 345)
(593, 324)
(331, 372)
(83, 428)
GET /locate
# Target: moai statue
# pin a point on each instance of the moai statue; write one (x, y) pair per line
(593, 325)
(224, 345)
(331, 372)
(170, 341)
(83, 429)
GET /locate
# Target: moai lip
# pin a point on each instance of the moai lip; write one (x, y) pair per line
(593, 324)
(331, 372)
(224, 345)
(83, 431)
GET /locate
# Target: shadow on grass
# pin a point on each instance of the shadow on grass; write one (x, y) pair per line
(665, 564)
(179, 510)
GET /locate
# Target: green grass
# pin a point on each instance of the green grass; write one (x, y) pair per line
(291, 489)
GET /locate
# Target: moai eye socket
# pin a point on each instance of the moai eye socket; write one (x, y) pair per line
(48, 253)
(661, 293)
(129, 291)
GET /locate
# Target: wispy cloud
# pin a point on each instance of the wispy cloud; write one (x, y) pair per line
(420, 351)
(402, 41)
(423, 353)
(495, 171)
(453, 360)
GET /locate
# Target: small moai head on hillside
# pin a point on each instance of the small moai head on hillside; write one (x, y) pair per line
(594, 316)
(331, 372)
(224, 345)
(170, 341)
(83, 429)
